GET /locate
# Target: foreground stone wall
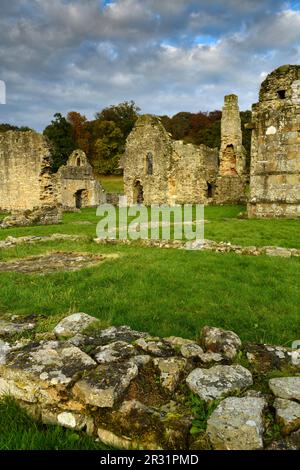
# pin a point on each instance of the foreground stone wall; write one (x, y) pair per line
(25, 179)
(133, 390)
(275, 154)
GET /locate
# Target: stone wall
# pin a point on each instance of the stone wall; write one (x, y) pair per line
(76, 185)
(158, 170)
(275, 154)
(25, 165)
(132, 390)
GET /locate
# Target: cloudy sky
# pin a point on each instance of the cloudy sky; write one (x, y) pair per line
(166, 55)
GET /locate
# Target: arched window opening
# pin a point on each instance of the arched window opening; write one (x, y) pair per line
(149, 163)
(78, 162)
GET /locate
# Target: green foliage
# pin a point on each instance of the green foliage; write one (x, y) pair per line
(202, 411)
(107, 148)
(60, 135)
(124, 115)
(203, 128)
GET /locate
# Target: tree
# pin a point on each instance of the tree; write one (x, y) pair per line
(61, 137)
(9, 127)
(124, 115)
(108, 146)
(81, 133)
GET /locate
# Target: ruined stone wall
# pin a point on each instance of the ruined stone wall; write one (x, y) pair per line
(275, 153)
(184, 173)
(25, 173)
(75, 183)
(148, 141)
(193, 168)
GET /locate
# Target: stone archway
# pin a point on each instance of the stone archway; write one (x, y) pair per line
(81, 198)
(138, 193)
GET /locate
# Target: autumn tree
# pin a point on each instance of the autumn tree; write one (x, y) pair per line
(60, 135)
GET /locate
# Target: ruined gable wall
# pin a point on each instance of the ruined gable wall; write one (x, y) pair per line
(25, 179)
(77, 175)
(148, 136)
(275, 153)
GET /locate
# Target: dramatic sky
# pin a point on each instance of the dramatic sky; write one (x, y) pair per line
(166, 55)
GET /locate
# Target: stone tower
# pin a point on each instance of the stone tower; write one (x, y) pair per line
(232, 152)
(232, 177)
(275, 149)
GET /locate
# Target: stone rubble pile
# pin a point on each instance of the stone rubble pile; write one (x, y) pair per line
(132, 390)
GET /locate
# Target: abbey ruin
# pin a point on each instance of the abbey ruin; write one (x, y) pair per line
(159, 170)
(275, 149)
(28, 184)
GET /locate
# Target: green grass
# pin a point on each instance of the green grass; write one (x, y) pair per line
(223, 225)
(165, 292)
(20, 432)
(112, 184)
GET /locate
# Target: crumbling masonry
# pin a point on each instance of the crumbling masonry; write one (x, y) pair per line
(31, 191)
(275, 152)
(158, 170)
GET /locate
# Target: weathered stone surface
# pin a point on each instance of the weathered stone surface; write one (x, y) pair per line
(155, 346)
(291, 442)
(288, 414)
(275, 147)
(68, 419)
(265, 357)
(32, 239)
(171, 370)
(191, 350)
(41, 372)
(286, 387)
(176, 341)
(237, 424)
(213, 383)
(10, 328)
(45, 215)
(220, 341)
(49, 263)
(105, 385)
(73, 324)
(4, 350)
(114, 352)
(101, 337)
(194, 351)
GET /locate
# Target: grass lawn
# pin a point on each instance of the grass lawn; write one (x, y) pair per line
(112, 184)
(165, 292)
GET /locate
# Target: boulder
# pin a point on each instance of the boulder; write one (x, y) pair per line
(41, 372)
(287, 414)
(214, 383)
(75, 323)
(171, 370)
(220, 341)
(286, 387)
(105, 385)
(237, 424)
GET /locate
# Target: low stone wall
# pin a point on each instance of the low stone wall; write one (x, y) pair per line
(44, 215)
(132, 390)
(210, 245)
